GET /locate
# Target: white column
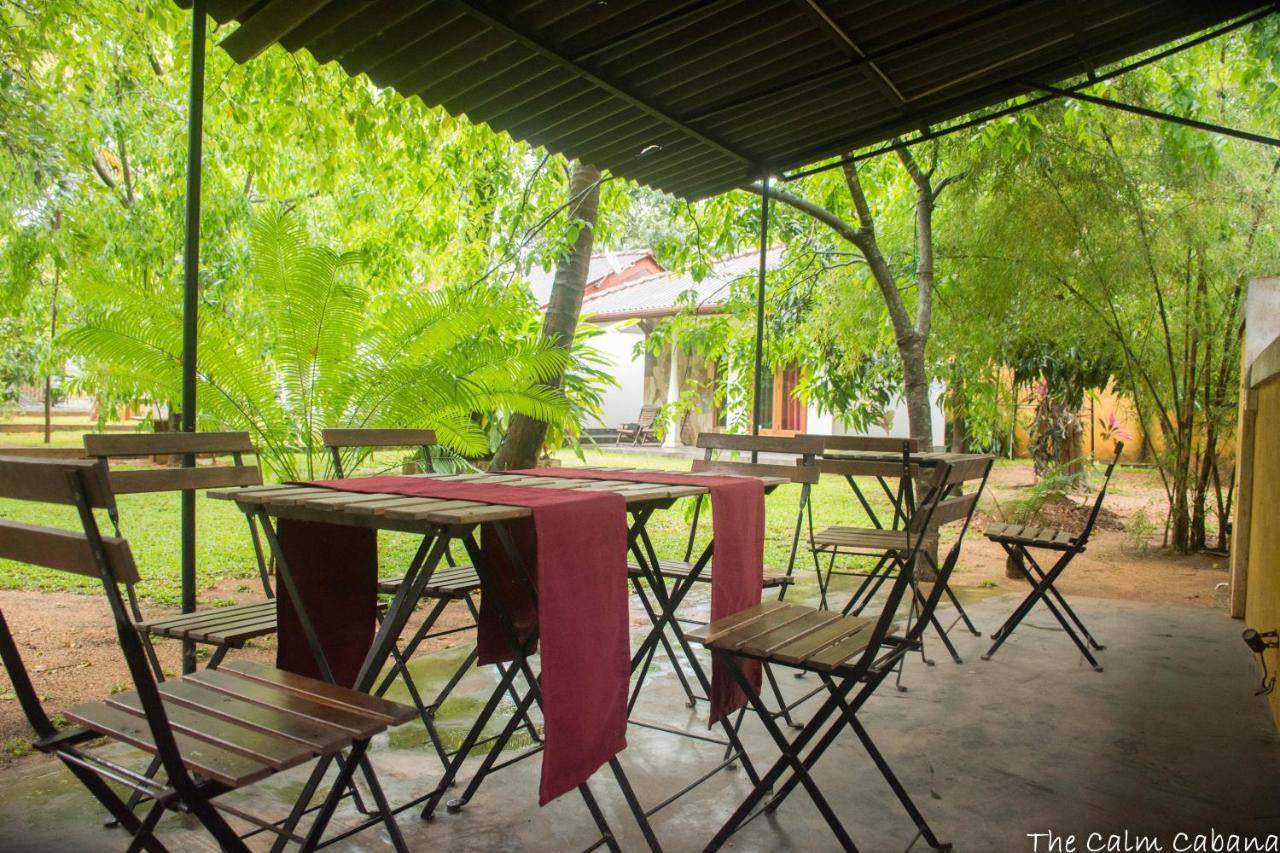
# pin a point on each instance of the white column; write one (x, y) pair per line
(672, 439)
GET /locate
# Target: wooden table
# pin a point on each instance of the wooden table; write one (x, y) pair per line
(440, 522)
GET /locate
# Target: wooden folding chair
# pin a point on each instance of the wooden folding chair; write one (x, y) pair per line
(348, 448)
(224, 628)
(829, 541)
(1018, 539)
(643, 429)
(876, 542)
(213, 731)
(851, 655)
(799, 467)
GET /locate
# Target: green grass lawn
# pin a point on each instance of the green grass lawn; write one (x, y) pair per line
(36, 439)
(224, 549)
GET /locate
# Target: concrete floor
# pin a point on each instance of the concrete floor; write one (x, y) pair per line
(1169, 738)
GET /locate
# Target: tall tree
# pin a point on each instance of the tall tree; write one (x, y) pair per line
(525, 436)
(911, 334)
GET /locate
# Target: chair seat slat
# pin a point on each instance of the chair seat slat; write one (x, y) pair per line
(318, 736)
(831, 657)
(214, 762)
(354, 724)
(763, 645)
(237, 635)
(800, 650)
(200, 617)
(340, 697)
(276, 752)
(705, 634)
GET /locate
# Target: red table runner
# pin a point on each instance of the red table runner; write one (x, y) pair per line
(575, 547)
(335, 570)
(737, 562)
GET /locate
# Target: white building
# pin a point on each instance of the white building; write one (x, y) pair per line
(628, 294)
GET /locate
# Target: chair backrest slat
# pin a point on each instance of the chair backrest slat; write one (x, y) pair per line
(363, 442)
(166, 443)
(969, 468)
(648, 416)
(877, 443)
(65, 550)
(954, 509)
(797, 473)
(86, 552)
(175, 479)
(132, 482)
(344, 438)
(861, 468)
(52, 480)
(799, 445)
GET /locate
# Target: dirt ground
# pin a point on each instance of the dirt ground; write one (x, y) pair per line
(70, 647)
(1118, 563)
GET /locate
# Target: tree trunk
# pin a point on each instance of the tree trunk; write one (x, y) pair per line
(912, 336)
(525, 436)
(1070, 449)
(916, 381)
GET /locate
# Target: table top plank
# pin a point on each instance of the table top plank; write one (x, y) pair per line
(406, 511)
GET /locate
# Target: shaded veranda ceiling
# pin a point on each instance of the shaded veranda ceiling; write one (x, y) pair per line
(696, 97)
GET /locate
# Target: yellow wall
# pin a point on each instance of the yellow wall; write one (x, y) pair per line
(1262, 602)
(1098, 405)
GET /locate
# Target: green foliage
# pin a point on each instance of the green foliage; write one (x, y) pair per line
(16, 747)
(1139, 528)
(93, 123)
(321, 349)
(1056, 484)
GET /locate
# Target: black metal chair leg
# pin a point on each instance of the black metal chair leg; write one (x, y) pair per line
(529, 727)
(456, 805)
(346, 773)
(300, 805)
(887, 772)
(1062, 602)
(424, 713)
(456, 678)
(964, 617)
(691, 700)
(946, 640)
(136, 796)
(139, 840)
(1070, 632)
(777, 693)
(116, 807)
(216, 658)
(874, 579)
(1020, 612)
(790, 756)
(380, 801)
(218, 827)
(633, 803)
(1039, 592)
(737, 730)
(606, 831)
(468, 743)
(402, 656)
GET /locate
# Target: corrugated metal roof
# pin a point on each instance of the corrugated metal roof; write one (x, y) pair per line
(670, 292)
(696, 97)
